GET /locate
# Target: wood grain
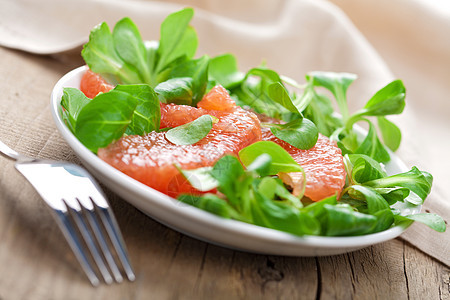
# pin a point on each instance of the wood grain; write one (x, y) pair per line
(36, 263)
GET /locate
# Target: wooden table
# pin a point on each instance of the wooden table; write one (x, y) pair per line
(36, 262)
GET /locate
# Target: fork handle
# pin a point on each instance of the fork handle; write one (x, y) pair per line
(10, 153)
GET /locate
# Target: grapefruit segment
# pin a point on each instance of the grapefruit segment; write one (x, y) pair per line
(323, 165)
(173, 115)
(91, 84)
(217, 99)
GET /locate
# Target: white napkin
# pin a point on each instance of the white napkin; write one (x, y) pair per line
(293, 37)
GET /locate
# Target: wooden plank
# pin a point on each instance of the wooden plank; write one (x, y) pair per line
(425, 277)
(242, 275)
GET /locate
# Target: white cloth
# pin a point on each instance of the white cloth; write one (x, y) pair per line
(406, 39)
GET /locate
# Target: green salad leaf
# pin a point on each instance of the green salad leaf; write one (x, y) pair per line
(105, 119)
(390, 100)
(337, 84)
(224, 69)
(176, 90)
(130, 47)
(342, 220)
(362, 168)
(197, 70)
(372, 146)
(281, 160)
(73, 100)
(391, 134)
(101, 57)
(192, 132)
(178, 39)
(147, 115)
(278, 93)
(433, 221)
(300, 133)
(131, 109)
(418, 182)
(201, 178)
(319, 109)
(211, 203)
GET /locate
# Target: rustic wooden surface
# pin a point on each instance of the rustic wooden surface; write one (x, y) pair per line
(36, 262)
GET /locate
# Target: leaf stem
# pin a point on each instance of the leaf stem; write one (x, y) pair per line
(342, 102)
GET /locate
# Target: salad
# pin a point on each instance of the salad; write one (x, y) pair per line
(262, 183)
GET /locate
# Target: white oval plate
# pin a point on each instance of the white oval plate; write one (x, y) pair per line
(203, 225)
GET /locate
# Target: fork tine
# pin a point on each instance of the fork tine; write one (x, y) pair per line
(89, 240)
(94, 222)
(112, 228)
(65, 225)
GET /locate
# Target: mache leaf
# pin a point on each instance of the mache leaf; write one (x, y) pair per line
(101, 57)
(224, 70)
(197, 70)
(391, 134)
(130, 47)
(192, 132)
(281, 160)
(278, 93)
(177, 38)
(372, 146)
(176, 90)
(387, 101)
(419, 182)
(104, 119)
(433, 221)
(300, 133)
(342, 220)
(146, 118)
(73, 100)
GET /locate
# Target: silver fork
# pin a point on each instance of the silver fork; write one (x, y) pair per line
(80, 209)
